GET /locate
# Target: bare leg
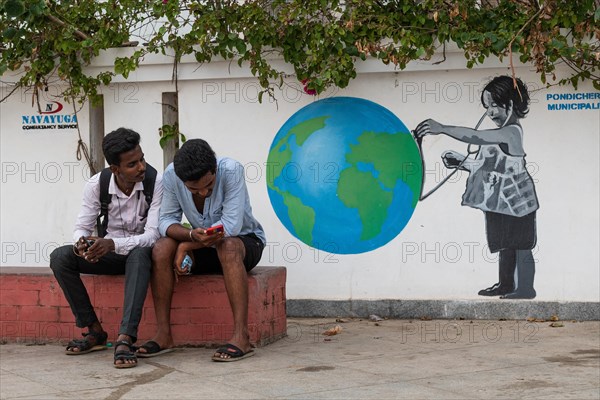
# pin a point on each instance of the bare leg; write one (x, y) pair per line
(231, 253)
(163, 280)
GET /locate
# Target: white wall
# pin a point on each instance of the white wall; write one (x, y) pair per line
(441, 254)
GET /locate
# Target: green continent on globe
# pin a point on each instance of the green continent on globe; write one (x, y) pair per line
(388, 156)
(372, 202)
(301, 216)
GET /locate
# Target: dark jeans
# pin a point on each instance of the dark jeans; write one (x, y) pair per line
(136, 266)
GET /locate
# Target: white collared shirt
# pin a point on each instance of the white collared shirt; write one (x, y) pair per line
(127, 226)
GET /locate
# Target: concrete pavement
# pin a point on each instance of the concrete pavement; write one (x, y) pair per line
(390, 359)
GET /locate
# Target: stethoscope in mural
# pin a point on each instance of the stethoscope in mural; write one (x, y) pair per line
(456, 167)
(470, 151)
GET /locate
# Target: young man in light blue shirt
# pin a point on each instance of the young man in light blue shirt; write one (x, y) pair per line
(210, 192)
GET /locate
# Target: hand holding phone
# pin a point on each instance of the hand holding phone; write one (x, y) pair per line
(186, 265)
(82, 245)
(214, 229)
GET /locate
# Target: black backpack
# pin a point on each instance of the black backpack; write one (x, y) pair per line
(105, 198)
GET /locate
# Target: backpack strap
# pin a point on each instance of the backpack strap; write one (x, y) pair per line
(149, 181)
(105, 198)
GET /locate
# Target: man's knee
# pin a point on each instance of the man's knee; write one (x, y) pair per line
(163, 251)
(230, 249)
(141, 257)
(61, 257)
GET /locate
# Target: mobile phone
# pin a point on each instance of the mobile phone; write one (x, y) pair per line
(214, 229)
(186, 264)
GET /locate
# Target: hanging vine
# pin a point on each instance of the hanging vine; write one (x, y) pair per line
(46, 41)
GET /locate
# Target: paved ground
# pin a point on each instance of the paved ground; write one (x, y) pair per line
(390, 359)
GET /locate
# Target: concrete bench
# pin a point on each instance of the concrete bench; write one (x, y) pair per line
(33, 307)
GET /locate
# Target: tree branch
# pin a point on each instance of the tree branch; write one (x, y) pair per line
(510, 54)
(18, 85)
(62, 23)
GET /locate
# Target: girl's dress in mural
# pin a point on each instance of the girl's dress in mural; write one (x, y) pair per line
(499, 184)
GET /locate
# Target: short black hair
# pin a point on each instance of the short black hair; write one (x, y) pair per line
(194, 160)
(503, 90)
(118, 142)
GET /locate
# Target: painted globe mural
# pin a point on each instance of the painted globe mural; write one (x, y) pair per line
(344, 175)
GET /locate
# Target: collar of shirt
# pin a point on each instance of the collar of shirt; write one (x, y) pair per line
(114, 189)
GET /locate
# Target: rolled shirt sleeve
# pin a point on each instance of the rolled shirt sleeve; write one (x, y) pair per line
(170, 209)
(90, 208)
(235, 197)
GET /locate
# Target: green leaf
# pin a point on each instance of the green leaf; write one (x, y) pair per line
(499, 45)
(240, 47)
(489, 24)
(9, 33)
(14, 8)
(163, 141)
(38, 9)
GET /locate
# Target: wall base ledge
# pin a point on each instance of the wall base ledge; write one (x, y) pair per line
(445, 309)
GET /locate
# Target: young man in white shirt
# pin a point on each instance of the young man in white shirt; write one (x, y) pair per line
(126, 247)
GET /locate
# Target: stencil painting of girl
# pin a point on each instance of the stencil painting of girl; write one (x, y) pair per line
(499, 183)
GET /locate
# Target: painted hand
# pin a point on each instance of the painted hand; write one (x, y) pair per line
(452, 159)
(428, 127)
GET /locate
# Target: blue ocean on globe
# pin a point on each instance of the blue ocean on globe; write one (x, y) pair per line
(344, 175)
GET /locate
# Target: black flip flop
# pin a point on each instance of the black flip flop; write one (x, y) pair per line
(234, 353)
(153, 349)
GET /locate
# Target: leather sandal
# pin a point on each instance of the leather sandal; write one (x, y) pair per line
(125, 355)
(85, 346)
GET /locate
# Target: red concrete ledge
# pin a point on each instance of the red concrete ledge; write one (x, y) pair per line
(33, 307)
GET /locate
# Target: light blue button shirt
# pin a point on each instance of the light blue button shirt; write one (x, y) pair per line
(228, 204)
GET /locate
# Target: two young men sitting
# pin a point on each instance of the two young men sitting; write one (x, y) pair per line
(209, 192)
